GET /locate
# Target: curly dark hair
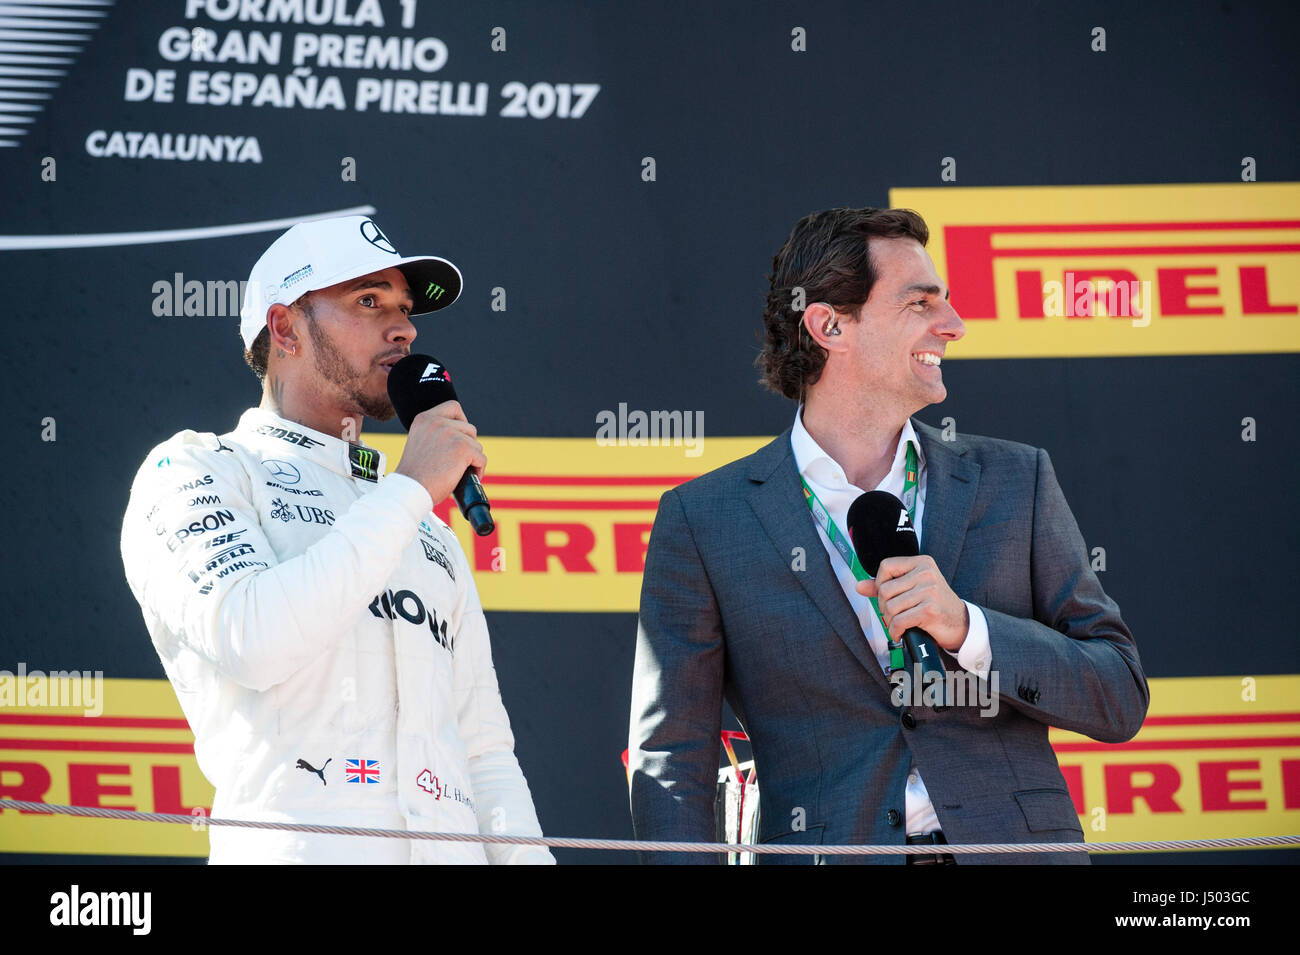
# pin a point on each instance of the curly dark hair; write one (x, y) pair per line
(828, 256)
(258, 357)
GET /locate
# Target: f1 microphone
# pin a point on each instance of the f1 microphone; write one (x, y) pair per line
(418, 383)
(880, 528)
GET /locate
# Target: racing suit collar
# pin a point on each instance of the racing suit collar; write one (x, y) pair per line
(281, 435)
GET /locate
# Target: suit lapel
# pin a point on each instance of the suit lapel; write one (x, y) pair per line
(951, 482)
(777, 499)
(778, 502)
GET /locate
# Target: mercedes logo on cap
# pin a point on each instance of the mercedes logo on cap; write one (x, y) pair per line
(283, 471)
(375, 236)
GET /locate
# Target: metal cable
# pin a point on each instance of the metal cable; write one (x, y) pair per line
(200, 820)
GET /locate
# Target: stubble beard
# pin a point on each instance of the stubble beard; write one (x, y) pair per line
(334, 368)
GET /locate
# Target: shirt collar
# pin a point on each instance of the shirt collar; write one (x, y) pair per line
(276, 433)
(820, 468)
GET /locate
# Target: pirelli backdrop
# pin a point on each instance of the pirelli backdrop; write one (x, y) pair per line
(1114, 199)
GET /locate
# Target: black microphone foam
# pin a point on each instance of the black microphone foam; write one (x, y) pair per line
(879, 528)
(418, 383)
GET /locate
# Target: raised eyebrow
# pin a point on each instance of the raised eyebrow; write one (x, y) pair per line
(380, 283)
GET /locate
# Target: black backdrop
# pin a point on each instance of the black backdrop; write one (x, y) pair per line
(623, 290)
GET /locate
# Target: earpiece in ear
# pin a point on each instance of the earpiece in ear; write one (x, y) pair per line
(831, 327)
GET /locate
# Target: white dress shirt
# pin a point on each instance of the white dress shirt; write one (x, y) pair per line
(829, 482)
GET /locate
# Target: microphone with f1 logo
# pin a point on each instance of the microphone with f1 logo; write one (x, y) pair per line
(880, 528)
(418, 383)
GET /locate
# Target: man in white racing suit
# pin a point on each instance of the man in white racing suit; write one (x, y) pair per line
(318, 622)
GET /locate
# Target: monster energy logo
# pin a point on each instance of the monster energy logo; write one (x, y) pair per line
(365, 462)
(434, 291)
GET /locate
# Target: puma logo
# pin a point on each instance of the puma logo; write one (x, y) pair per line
(303, 764)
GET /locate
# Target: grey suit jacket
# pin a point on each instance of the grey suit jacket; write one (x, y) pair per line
(725, 612)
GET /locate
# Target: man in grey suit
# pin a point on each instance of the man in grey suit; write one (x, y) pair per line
(746, 598)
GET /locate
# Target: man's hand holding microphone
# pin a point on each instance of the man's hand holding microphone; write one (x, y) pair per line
(442, 449)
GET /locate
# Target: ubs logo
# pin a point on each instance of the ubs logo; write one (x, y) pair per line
(314, 515)
(375, 236)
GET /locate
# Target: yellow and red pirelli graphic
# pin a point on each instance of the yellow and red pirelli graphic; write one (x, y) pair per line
(1217, 757)
(1041, 272)
(137, 753)
(573, 517)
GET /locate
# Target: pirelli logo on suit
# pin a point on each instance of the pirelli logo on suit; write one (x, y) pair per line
(1041, 272)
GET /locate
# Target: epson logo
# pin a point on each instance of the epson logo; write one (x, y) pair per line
(209, 522)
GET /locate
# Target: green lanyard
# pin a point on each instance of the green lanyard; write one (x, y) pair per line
(843, 546)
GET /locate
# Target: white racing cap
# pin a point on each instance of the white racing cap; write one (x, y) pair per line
(324, 252)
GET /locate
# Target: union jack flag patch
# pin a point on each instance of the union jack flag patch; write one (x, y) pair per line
(361, 771)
